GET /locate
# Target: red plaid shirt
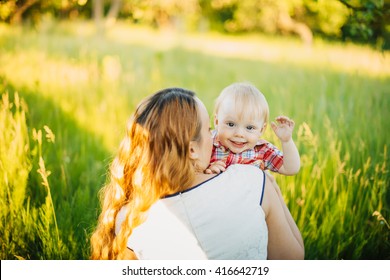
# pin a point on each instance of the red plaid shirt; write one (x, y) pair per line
(264, 155)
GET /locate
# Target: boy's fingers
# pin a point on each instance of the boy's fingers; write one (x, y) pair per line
(220, 162)
(222, 168)
(215, 170)
(219, 167)
(285, 120)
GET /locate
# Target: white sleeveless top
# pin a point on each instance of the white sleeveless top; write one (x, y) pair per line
(221, 218)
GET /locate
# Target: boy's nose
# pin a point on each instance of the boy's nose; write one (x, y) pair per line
(238, 132)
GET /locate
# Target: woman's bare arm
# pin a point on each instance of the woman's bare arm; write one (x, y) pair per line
(284, 238)
(129, 255)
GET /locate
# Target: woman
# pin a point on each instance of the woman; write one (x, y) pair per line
(159, 203)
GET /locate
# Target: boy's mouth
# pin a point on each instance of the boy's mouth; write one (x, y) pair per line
(238, 145)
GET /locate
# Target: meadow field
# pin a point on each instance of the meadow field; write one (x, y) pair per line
(67, 92)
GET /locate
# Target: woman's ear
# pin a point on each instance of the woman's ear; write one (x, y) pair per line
(194, 150)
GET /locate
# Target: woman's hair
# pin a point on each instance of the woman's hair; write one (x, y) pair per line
(152, 162)
(245, 96)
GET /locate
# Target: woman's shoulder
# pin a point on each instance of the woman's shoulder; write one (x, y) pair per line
(238, 180)
(248, 178)
(236, 174)
(245, 170)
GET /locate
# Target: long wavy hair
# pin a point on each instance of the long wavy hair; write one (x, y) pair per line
(153, 161)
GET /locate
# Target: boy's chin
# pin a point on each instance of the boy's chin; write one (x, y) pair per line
(235, 150)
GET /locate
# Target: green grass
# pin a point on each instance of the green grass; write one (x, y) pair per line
(67, 94)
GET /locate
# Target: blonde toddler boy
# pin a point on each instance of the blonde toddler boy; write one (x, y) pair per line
(241, 117)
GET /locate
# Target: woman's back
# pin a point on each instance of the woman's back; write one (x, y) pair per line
(219, 219)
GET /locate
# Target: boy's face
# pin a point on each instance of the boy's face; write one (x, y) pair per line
(237, 130)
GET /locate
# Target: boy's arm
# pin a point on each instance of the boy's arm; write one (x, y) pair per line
(291, 159)
(283, 128)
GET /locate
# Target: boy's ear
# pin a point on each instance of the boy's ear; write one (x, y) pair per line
(215, 121)
(193, 150)
(263, 128)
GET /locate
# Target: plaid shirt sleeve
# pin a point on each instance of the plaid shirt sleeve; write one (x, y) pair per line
(271, 156)
(214, 155)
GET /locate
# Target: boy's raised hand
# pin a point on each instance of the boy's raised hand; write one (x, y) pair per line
(283, 128)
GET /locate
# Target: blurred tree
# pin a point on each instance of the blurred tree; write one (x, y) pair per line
(16, 11)
(358, 20)
(368, 21)
(162, 14)
(300, 17)
(259, 15)
(98, 12)
(325, 17)
(12, 11)
(17, 16)
(290, 20)
(363, 20)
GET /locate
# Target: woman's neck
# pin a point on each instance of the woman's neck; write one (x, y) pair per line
(200, 178)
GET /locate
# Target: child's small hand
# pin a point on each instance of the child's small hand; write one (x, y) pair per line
(283, 128)
(216, 167)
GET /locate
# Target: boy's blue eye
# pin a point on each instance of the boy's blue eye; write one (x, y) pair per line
(250, 127)
(230, 124)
